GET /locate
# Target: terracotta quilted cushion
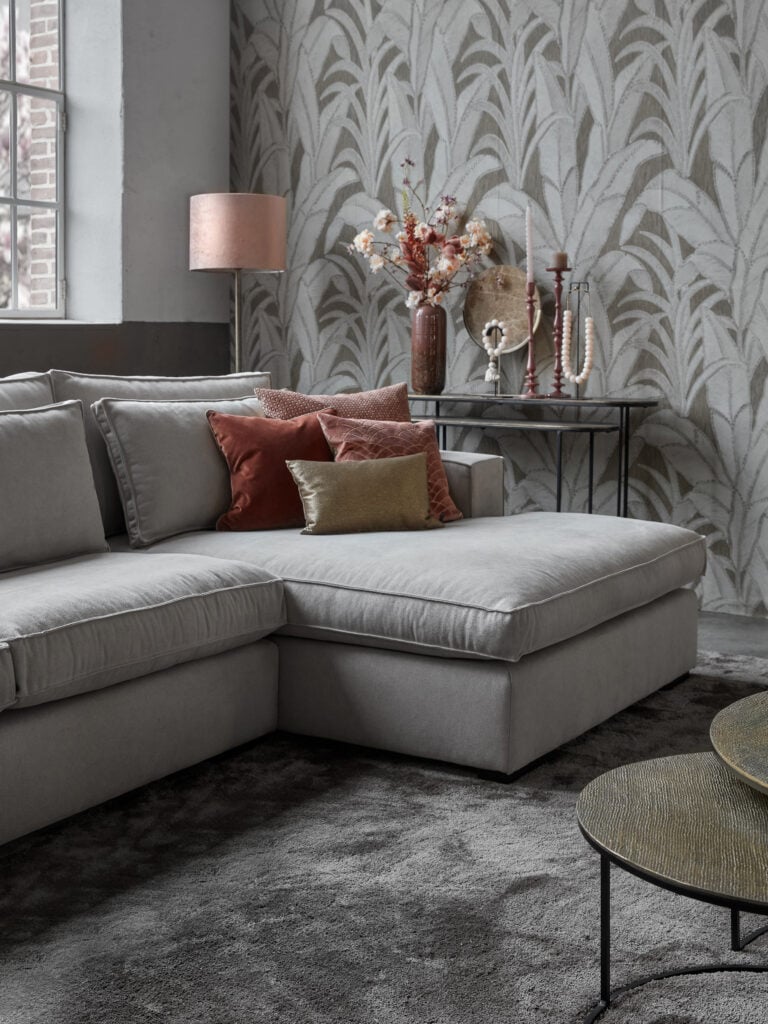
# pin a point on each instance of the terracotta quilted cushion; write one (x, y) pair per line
(355, 439)
(389, 403)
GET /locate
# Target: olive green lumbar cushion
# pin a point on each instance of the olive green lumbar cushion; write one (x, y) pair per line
(364, 496)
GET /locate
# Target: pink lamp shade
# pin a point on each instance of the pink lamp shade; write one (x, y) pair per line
(237, 231)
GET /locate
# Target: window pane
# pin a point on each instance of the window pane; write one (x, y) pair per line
(5, 143)
(36, 153)
(5, 45)
(6, 291)
(37, 43)
(36, 234)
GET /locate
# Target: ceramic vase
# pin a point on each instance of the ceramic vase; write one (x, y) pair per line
(428, 329)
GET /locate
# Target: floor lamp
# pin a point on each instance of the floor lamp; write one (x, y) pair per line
(237, 231)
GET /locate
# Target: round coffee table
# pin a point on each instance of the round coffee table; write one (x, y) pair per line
(686, 824)
(739, 735)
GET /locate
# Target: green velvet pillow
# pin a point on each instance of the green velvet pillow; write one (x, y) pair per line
(364, 496)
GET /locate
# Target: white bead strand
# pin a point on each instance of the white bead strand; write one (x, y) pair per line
(589, 348)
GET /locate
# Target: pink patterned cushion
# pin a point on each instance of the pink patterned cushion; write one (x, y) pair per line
(355, 439)
(389, 403)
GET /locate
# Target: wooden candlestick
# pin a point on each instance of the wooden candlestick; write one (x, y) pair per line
(557, 329)
(531, 381)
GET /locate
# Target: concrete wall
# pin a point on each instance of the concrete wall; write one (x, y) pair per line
(94, 160)
(148, 101)
(175, 143)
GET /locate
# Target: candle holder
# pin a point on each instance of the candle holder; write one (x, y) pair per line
(531, 380)
(557, 331)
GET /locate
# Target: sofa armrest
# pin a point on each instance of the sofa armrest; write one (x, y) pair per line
(476, 482)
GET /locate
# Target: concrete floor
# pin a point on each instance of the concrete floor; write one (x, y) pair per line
(733, 634)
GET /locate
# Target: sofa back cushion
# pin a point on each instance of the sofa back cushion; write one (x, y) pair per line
(48, 505)
(170, 473)
(90, 387)
(388, 403)
(25, 391)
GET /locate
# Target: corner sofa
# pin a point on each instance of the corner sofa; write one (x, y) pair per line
(487, 643)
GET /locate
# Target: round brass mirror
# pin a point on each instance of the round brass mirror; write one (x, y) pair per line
(498, 293)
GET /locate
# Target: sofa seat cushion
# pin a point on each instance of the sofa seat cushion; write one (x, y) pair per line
(89, 622)
(498, 587)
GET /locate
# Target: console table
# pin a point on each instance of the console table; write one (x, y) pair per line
(619, 423)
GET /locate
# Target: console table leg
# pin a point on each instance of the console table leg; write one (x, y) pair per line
(620, 454)
(559, 469)
(605, 930)
(625, 497)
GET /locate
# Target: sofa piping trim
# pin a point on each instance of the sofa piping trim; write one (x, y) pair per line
(143, 608)
(157, 656)
(504, 611)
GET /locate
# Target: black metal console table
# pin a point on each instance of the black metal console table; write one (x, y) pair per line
(620, 424)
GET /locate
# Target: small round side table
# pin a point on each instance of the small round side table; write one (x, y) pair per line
(739, 735)
(686, 824)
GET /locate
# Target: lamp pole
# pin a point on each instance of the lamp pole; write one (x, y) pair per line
(238, 317)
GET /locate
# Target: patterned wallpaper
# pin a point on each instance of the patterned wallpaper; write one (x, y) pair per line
(637, 130)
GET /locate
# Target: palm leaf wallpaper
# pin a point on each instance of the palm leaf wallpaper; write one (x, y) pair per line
(636, 129)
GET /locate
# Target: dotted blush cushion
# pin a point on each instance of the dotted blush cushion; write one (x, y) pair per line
(390, 403)
(355, 439)
(264, 495)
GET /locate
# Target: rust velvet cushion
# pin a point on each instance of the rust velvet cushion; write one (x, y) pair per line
(355, 439)
(264, 495)
(390, 403)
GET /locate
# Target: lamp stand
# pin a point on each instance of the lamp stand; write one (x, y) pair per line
(238, 318)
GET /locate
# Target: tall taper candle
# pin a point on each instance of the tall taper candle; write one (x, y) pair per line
(529, 244)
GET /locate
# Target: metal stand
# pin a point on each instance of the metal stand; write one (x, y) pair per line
(608, 995)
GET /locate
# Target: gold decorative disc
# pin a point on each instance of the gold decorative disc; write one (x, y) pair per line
(498, 293)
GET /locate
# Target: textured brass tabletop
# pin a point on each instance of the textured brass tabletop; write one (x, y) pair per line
(685, 822)
(739, 735)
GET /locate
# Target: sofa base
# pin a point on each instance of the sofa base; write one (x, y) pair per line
(491, 715)
(59, 758)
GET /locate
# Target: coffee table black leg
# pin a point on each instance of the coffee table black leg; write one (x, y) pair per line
(559, 469)
(740, 942)
(605, 932)
(591, 469)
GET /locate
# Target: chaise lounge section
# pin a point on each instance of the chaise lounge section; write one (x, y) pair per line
(487, 643)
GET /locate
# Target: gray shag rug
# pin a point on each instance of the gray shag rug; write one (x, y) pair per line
(306, 882)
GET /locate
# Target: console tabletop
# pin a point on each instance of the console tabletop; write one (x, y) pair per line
(604, 401)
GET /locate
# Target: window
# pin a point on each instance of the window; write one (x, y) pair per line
(31, 150)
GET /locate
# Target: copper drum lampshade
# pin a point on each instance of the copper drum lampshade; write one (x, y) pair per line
(236, 231)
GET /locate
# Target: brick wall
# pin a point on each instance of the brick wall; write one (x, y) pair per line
(43, 72)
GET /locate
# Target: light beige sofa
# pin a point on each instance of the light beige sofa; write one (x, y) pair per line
(487, 643)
